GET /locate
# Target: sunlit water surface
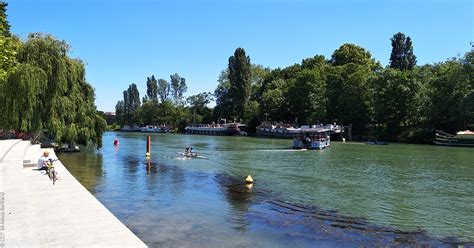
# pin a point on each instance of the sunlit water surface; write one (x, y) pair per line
(179, 202)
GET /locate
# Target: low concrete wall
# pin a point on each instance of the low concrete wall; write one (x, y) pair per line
(6, 146)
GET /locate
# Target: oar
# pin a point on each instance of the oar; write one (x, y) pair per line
(203, 153)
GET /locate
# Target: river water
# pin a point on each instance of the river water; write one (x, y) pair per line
(351, 194)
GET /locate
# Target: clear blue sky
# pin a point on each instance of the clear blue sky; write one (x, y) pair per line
(123, 42)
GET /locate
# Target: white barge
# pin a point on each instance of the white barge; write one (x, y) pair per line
(287, 131)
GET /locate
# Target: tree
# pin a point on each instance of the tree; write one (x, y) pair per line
(163, 90)
(224, 106)
(178, 87)
(175, 116)
(290, 71)
(4, 26)
(348, 94)
(166, 113)
(198, 107)
(151, 89)
(9, 46)
(258, 74)
(397, 102)
(48, 90)
(239, 79)
(402, 56)
(274, 102)
(149, 113)
(314, 62)
(450, 89)
(131, 103)
(350, 53)
(306, 96)
(21, 109)
(348, 91)
(120, 112)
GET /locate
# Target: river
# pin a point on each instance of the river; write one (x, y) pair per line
(351, 194)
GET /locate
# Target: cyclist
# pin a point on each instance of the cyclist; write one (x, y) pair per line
(43, 161)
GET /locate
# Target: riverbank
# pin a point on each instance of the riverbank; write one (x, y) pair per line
(37, 213)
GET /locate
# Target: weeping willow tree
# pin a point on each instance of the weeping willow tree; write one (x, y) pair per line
(9, 46)
(48, 91)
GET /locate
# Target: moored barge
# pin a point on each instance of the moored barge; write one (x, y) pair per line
(462, 138)
(216, 129)
(288, 131)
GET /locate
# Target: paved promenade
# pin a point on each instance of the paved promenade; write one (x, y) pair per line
(36, 213)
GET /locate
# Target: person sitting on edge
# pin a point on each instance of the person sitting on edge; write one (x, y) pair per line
(43, 161)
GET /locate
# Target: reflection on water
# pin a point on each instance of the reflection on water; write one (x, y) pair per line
(88, 168)
(351, 194)
(239, 195)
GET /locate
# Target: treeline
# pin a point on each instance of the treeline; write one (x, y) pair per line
(43, 89)
(402, 101)
(163, 104)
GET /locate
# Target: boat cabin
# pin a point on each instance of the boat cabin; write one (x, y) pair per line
(314, 140)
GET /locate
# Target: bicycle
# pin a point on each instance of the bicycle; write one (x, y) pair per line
(51, 172)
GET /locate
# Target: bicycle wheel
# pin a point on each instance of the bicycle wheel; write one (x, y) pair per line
(55, 177)
(50, 174)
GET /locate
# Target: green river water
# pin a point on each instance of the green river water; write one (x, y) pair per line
(187, 202)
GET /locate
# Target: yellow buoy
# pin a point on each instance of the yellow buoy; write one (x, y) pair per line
(249, 179)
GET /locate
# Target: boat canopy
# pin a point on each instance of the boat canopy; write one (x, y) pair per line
(468, 132)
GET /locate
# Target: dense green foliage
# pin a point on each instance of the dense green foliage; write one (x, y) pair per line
(127, 110)
(151, 89)
(48, 90)
(42, 89)
(9, 45)
(198, 107)
(400, 102)
(4, 26)
(163, 90)
(223, 106)
(402, 56)
(239, 83)
(163, 104)
(177, 88)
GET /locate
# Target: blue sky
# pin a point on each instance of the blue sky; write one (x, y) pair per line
(123, 42)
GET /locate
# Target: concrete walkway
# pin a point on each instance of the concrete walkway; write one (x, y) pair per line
(36, 213)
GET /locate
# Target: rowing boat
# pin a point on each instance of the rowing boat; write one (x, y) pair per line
(191, 155)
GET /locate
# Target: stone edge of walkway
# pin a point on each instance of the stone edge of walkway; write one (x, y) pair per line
(87, 223)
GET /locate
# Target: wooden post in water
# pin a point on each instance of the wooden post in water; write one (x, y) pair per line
(148, 146)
